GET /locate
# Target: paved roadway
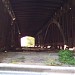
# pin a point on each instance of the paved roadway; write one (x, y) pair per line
(13, 69)
(32, 73)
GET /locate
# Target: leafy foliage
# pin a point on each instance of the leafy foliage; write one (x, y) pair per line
(66, 56)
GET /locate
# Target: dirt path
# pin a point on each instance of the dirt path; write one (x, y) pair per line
(30, 58)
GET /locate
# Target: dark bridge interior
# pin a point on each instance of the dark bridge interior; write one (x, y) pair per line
(33, 15)
(49, 21)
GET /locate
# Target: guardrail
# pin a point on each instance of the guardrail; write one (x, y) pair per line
(18, 69)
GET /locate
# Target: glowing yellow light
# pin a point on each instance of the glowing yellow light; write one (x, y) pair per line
(27, 41)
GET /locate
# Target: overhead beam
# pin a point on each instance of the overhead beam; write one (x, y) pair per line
(59, 13)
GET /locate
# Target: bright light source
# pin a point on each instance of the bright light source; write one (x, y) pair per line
(60, 47)
(70, 8)
(48, 46)
(27, 41)
(5, 51)
(71, 49)
(65, 46)
(14, 18)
